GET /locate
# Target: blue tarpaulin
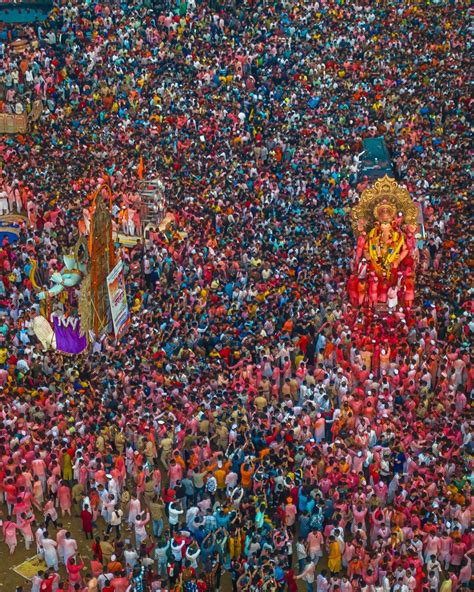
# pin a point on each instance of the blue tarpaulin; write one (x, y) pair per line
(25, 12)
(375, 161)
(9, 232)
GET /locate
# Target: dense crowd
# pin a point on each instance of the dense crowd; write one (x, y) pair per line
(252, 430)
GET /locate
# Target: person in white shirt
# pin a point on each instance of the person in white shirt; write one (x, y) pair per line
(400, 586)
(400, 572)
(39, 535)
(140, 530)
(3, 203)
(301, 553)
(230, 482)
(161, 556)
(113, 488)
(346, 586)
(104, 580)
(236, 497)
(308, 576)
(50, 554)
(131, 557)
(191, 516)
(36, 582)
(433, 581)
(192, 554)
(70, 547)
(410, 580)
(174, 512)
(433, 565)
(176, 549)
(322, 583)
(116, 517)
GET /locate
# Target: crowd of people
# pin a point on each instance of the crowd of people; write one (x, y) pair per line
(252, 430)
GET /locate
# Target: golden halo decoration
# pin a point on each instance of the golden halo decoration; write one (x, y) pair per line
(385, 190)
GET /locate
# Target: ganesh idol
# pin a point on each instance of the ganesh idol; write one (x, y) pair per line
(384, 221)
(385, 247)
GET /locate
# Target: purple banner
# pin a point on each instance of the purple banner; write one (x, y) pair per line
(68, 335)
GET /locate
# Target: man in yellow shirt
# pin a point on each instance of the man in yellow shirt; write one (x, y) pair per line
(260, 402)
(3, 355)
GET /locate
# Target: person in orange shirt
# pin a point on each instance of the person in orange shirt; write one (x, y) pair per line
(344, 466)
(246, 472)
(140, 481)
(179, 459)
(220, 474)
(114, 566)
(329, 351)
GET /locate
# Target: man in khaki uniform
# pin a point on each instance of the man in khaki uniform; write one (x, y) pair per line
(77, 494)
(204, 425)
(286, 388)
(166, 447)
(100, 443)
(294, 388)
(188, 442)
(265, 387)
(222, 436)
(107, 549)
(157, 513)
(150, 452)
(120, 441)
(148, 490)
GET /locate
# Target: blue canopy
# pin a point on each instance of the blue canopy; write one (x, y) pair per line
(25, 12)
(375, 162)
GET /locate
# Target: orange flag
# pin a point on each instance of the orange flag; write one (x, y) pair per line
(140, 168)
